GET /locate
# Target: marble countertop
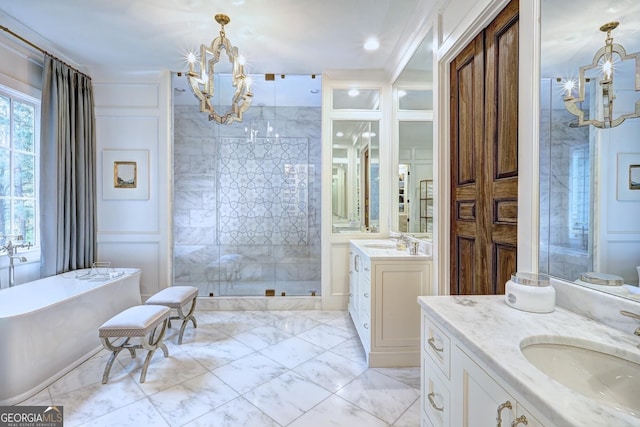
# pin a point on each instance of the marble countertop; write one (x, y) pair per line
(374, 250)
(492, 330)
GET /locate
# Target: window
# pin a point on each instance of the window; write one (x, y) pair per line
(19, 136)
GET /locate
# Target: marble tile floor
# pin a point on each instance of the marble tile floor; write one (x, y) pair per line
(302, 368)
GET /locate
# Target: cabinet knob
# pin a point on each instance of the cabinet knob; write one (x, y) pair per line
(520, 420)
(432, 402)
(432, 343)
(505, 405)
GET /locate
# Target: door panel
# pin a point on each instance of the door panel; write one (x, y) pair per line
(467, 111)
(501, 172)
(484, 158)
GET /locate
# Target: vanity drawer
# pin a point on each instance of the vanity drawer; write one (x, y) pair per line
(436, 400)
(365, 298)
(366, 266)
(437, 345)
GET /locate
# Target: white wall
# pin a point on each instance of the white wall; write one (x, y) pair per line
(618, 230)
(133, 112)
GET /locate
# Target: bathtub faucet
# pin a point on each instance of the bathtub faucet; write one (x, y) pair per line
(11, 251)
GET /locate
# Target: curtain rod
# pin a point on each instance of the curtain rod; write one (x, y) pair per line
(38, 48)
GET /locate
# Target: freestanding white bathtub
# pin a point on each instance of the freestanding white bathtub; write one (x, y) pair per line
(50, 326)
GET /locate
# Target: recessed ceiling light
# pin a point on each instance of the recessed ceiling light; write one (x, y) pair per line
(401, 93)
(371, 44)
(353, 92)
(339, 134)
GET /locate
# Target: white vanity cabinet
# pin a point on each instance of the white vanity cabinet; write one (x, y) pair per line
(457, 391)
(482, 400)
(384, 287)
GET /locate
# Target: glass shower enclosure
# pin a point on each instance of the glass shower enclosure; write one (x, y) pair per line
(246, 196)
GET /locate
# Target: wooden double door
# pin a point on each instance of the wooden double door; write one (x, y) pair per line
(484, 159)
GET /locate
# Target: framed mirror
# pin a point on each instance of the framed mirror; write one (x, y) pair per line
(589, 204)
(413, 137)
(355, 195)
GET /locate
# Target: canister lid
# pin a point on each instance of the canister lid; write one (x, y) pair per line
(530, 279)
(604, 279)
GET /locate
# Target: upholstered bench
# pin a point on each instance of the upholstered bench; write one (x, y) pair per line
(177, 297)
(138, 321)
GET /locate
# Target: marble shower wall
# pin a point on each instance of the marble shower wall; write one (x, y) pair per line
(561, 254)
(247, 210)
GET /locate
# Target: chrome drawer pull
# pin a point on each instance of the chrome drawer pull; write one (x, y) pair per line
(366, 295)
(432, 402)
(432, 342)
(366, 325)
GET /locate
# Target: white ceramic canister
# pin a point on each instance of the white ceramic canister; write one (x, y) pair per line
(530, 292)
(603, 282)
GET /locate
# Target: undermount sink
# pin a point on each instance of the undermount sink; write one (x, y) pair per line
(380, 245)
(610, 375)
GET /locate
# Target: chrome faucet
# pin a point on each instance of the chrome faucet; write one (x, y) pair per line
(11, 251)
(634, 316)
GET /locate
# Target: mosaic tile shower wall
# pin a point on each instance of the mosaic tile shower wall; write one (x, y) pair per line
(268, 203)
(247, 208)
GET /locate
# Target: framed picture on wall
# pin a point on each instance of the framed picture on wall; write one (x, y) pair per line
(125, 174)
(628, 185)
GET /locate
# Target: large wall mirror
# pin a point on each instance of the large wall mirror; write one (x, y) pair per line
(589, 175)
(355, 160)
(355, 188)
(413, 130)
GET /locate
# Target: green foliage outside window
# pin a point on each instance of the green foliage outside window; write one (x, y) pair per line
(17, 167)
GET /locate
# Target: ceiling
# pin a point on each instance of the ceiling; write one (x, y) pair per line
(276, 36)
(288, 37)
(284, 36)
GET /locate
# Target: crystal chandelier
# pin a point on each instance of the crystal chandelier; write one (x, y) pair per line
(605, 60)
(201, 77)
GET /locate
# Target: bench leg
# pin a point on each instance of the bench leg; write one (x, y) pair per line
(185, 319)
(152, 343)
(115, 350)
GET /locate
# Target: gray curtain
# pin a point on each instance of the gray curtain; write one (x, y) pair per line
(67, 170)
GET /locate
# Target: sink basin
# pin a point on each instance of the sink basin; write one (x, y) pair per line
(610, 375)
(380, 245)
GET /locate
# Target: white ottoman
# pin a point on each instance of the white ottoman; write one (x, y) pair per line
(177, 297)
(137, 321)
